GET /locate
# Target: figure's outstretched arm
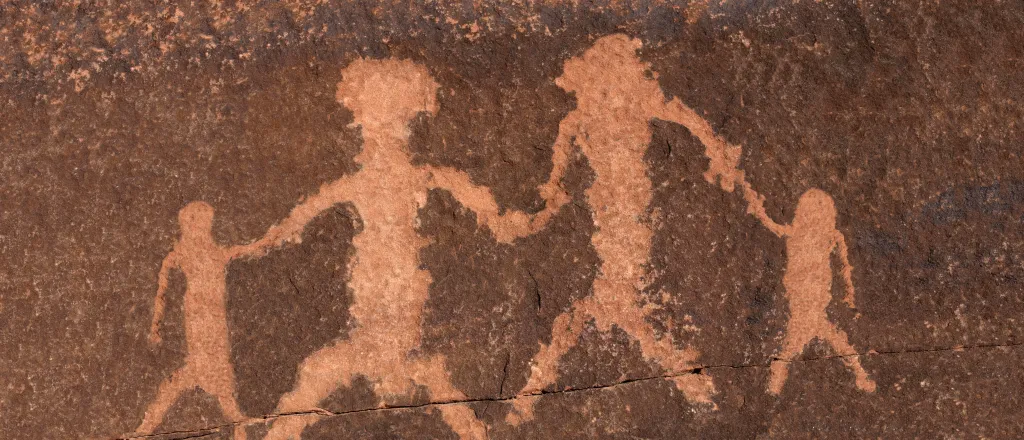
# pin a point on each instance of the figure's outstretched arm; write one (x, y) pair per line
(290, 229)
(506, 227)
(847, 268)
(170, 262)
(723, 157)
(755, 207)
(512, 224)
(554, 195)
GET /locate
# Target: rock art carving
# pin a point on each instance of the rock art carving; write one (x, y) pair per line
(615, 102)
(208, 358)
(389, 289)
(810, 241)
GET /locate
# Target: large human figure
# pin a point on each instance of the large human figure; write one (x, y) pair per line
(389, 288)
(207, 363)
(810, 241)
(615, 103)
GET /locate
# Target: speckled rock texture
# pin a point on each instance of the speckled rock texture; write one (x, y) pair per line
(512, 220)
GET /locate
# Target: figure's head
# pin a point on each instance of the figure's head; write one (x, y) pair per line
(816, 210)
(386, 93)
(609, 73)
(196, 219)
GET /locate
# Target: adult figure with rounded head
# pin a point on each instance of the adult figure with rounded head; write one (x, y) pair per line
(615, 103)
(810, 241)
(208, 360)
(389, 288)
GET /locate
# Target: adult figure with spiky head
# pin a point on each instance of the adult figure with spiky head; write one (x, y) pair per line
(389, 288)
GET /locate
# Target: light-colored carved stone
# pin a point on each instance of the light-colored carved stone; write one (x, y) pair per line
(615, 103)
(389, 289)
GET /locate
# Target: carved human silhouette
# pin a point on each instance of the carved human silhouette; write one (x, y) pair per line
(207, 362)
(615, 103)
(389, 289)
(810, 241)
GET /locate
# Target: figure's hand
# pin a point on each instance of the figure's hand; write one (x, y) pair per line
(293, 237)
(723, 181)
(549, 191)
(757, 205)
(848, 277)
(554, 196)
(279, 235)
(510, 226)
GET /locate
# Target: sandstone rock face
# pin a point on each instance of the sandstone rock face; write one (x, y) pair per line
(376, 220)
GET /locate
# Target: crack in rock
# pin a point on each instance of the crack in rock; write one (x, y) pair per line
(202, 432)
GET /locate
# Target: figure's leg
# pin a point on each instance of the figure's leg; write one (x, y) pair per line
(239, 431)
(565, 331)
(522, 409)
(290, 427)
(661, 351)
(792, 345)
(319, 375)
(544, 368)
(431, 372)
(841, 343)
(615, 303)
(166, 395)
(459, 416)
(697, 388)
(222, 387)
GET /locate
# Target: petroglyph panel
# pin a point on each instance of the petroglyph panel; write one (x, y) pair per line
(706, 219)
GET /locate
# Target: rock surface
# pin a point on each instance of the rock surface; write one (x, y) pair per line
(715, 219)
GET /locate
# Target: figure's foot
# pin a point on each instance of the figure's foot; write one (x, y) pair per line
(522, 410)
(678, 362)
(865, 383)
(145, 429)
(240, 432)
(779, 370)
(463, 421)
(290, 427)
(698, 388)
(868, 385)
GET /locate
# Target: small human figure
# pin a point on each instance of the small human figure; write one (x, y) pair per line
(389, 289)
(208, 360)
(615, 103)
(810, 241)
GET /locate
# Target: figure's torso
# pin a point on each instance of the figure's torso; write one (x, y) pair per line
(619, 196)
(808, 274)
(389, 288)
(204, 265)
